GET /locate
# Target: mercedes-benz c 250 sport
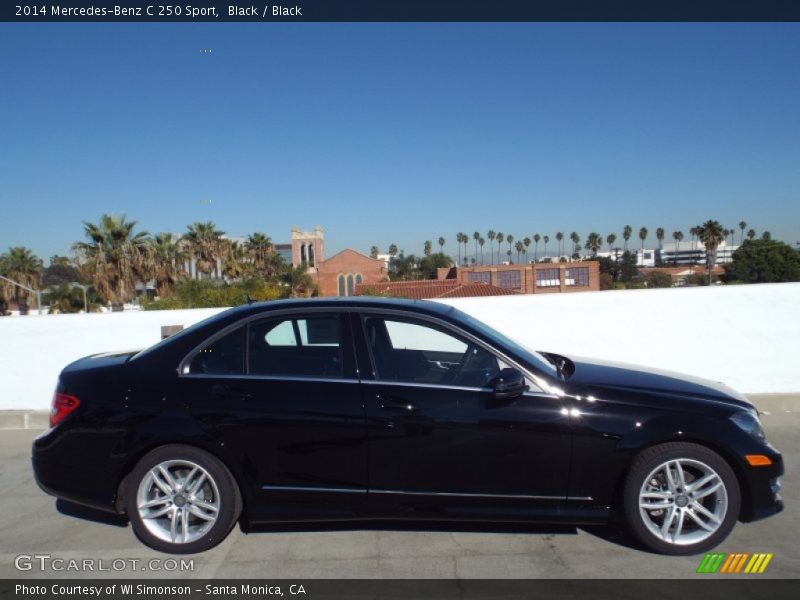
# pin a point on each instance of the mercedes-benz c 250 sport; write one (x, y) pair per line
(357, 409)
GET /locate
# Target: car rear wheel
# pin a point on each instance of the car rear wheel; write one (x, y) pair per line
(181, 500)
(681, 498)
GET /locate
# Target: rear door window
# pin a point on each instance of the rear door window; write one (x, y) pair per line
(309, 346)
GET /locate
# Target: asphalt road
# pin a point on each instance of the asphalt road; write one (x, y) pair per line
(31, 525)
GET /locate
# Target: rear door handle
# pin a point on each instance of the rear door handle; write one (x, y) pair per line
(395, 404)
(227, 391)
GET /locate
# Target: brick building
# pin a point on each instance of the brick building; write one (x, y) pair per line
(538, 278)
(341, 273)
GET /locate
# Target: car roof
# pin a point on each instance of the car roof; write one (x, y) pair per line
(423, 306)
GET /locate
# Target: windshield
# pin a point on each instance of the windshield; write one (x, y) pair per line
(535, 359)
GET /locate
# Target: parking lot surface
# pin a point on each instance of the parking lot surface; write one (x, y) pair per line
(32, 527)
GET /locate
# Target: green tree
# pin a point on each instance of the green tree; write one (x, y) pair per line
(658, 279)
(168, 262)
(576, 240)
(764, 261)
(114, 257)
(527, 243)
(204, 244)
(490, 235)
(300, 283)
(258, 248)
(441, 244)
(643, 236)
(711, 233)
(428, 248)
(476, 236)
(594, 242)
(677, 236)
(742, 226)
(610, 241)
(536, 239)
(560, 239)
(766, 235)
(499, 237)
(751, 233)
(626, 235)
(374, 252)
(519, 247)
(481, 242)
(60, 270)
(24, 267)
(545, 239)
(660, 237)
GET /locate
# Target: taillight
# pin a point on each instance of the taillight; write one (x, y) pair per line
(63, 405)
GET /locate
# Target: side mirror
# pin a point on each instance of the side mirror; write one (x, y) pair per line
(509, 383)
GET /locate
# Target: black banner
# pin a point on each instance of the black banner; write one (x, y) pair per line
(405, 10)
(733, 588)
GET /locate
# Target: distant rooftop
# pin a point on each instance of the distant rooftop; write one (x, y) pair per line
(433, 288)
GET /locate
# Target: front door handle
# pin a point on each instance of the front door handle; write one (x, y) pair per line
(396, 404)
(227, 391)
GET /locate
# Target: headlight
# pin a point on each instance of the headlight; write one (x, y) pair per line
(749, 422)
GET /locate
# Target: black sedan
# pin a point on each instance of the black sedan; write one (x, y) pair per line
(355, 409)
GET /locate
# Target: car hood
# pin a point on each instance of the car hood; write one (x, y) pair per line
(601, 375)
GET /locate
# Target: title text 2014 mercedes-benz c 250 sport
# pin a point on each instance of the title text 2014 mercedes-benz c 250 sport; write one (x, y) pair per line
(355, 409)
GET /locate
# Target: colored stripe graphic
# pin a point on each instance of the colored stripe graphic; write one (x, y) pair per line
(721, 562)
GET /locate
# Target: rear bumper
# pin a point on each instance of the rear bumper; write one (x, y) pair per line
(76, 483)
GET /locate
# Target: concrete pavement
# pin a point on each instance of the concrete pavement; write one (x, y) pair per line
(31, 525)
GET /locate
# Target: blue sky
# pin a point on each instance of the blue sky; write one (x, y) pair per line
(398, 133)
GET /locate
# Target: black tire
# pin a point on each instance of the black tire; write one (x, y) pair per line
(230, 499)
(644, 464)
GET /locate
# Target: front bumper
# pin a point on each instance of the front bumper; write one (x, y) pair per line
(762, 497)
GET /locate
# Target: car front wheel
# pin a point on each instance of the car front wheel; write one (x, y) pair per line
(681, 498)
(181, 500)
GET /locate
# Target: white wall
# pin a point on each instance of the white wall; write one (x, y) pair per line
(746, 336)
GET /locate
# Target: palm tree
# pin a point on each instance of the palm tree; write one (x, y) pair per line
(766, 235)
(575, 238)
(299, 281)
(374, 252)
(476, 236)
(527, 243)
(499, 237)
(626, 235)
(458, 243)
(536, 239)
(25, 268)
(594, 242)
(559, 237)
(481, 242)
(168, 262)
(660, 237)
(491, 235)
(733, 236)
(114, 257)
(509, 240)
(751, 233)
(610, 241)
(711, 233)
(677, 236)
(742, 226)
(258, 248)
(204, 243)
(427, 248)
(643, 237)
(233, 256)
(441, 244)
(519, 247)
(545, 239)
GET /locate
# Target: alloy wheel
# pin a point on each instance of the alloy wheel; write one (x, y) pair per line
(683, 501)
(178, 501)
